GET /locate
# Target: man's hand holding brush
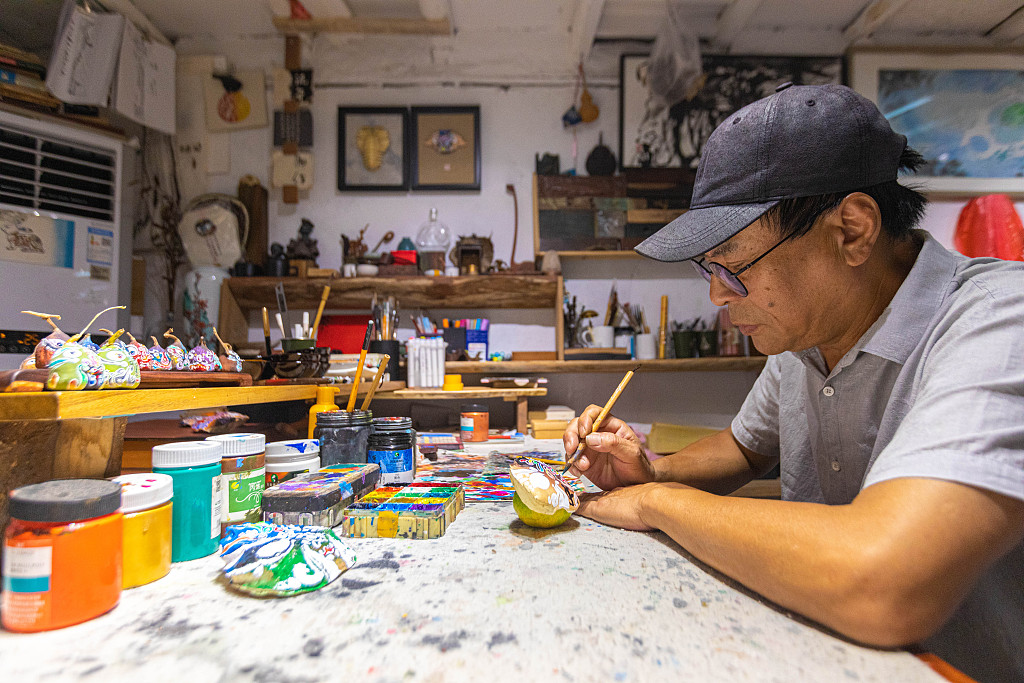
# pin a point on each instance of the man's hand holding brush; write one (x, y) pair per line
(612, 456)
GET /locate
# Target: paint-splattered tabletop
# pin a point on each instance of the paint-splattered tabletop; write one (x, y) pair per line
(490, 600)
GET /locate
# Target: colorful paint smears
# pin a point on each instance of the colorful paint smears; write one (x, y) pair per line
(270, 560)
(542, 489)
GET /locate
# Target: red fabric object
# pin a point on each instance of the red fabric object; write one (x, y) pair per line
(343, 333)
(990, 226)
(404, 256)
(298, 11)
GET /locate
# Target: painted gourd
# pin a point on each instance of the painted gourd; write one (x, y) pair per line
(229, 360)
(201, 359)
(122, 369)
(270, 560)
(86, 342)
(75, 367)
(140, 353)
(161, 359)
(177, 351)
(48, 345)
(541, 488)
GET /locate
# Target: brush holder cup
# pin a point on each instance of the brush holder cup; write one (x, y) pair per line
(298, 364)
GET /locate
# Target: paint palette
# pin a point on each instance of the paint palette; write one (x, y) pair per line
(420, 510)
(318, 498)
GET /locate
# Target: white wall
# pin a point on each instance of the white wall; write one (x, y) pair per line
(516, 123)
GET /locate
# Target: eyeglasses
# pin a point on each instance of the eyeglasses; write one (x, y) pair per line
(729, 278)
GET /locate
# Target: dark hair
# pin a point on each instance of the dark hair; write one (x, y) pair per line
(901, 206)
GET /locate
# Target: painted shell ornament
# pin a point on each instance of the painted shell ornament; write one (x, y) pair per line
(140, 353)
(548, 499)
(445, 141)
(270, 560)
(161, 359)
(373, 142)
(122, 369)
(75, 367)
(48, 345)
(177, 351)
(229, 360)
(201, 359)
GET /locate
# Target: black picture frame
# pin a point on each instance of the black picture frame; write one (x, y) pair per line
(430, 163)
(356, 158)
(732, 82)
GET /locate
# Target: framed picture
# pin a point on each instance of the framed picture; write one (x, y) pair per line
(963, 111)
(373, 149)
(445, 148)
(674, 137)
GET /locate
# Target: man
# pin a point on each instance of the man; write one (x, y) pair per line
(893, 397)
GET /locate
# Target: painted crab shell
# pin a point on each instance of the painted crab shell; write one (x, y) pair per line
(372, 142)
(75, 367)
(161, 358)
(201, 359)
(541, 488)
(281, 560)
(122, 369)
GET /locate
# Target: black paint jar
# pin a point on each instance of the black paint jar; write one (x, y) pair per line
(343, 436)
(392, 446)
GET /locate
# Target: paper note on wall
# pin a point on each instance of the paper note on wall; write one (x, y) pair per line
(145, 81)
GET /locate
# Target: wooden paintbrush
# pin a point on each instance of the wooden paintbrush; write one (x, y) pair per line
(320, 310)
(266, 330)
(600, 417)
(359, 368)
(376, 381)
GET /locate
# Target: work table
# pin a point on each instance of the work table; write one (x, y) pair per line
(492, 599)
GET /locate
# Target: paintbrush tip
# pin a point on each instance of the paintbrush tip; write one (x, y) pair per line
(637, 367)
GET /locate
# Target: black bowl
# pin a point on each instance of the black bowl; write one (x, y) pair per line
(297, 364)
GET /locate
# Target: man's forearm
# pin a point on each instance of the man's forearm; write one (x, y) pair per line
(715, 464)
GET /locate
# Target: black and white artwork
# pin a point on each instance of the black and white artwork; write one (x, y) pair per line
(650, 136)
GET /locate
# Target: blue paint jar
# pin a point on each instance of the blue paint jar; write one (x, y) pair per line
(392, 446)
(194, 467)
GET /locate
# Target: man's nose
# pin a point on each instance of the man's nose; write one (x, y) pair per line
(720, 293)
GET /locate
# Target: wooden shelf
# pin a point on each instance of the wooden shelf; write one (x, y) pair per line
(499, 368)
(598, 254)
(54, 405)
(373, 25)
(462, 394)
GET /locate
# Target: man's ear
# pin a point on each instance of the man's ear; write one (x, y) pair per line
(860, 223)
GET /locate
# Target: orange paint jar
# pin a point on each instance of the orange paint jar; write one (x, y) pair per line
(474, 421)
(62, 554)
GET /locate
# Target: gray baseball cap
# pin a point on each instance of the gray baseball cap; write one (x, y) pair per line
(802, 141)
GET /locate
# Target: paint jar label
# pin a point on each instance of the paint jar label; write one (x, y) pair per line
(395, 466)
(243, 493)
(216, 508)
(275, 478)
(26, 594)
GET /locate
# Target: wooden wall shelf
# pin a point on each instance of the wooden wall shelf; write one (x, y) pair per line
(372, 25)
(719, 364)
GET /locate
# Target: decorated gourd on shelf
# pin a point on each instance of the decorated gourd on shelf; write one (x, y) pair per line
(48, 345)
(161, 359)
(543, 498)
(74, 367)
(229, 360)
(176, 350)
(122, 369)
(270, 560)
(114, 338)
(140, 353)
(201, 359)
(87, 343)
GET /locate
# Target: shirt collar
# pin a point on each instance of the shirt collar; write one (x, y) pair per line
(898, 330)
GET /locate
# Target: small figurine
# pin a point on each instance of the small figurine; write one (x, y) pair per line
(357, 248)
(202, 359)
(229, 360)
(277, 263)
(304, 247)
(176, 350)
(122, 369)
(48, 345)
(74, 366)
(161, 359)
(140, 353)
(114, 338)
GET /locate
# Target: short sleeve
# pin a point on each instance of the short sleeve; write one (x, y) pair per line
(756, 426)
(966, 422)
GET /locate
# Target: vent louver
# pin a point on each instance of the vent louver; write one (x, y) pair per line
(65, 177)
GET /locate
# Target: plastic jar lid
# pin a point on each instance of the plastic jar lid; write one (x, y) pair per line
(288, 451)
(392, 424)
(65, 500)
(144, 490)
(342, 418)
(474, 408)
(240, 444)
(187, 454)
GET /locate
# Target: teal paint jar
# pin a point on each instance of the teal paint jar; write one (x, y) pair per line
(194, 466)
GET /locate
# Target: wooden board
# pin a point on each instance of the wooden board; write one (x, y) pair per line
(151, 379)
(718, 364)
(462, 394)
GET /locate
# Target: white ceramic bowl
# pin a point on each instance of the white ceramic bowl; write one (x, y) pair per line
(366, 269)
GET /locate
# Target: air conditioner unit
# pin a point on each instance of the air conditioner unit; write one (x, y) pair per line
(61, 233)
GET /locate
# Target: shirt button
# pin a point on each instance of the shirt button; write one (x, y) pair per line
(828, 391)
(835, 466)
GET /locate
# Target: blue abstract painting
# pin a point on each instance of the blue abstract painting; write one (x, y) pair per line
(967, 123)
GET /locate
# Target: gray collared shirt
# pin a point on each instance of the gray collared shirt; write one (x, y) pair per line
(935, 388)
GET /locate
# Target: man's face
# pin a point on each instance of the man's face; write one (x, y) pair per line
(791, 292)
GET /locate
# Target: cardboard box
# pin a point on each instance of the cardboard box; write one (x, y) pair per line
(548, 429)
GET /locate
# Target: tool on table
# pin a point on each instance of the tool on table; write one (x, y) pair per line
(320, 309)
(282, 303)
(266, 329)
(600, 417)
(359, 368)
(305, 324)
(280, 324)
(663, 331)
(377, 378)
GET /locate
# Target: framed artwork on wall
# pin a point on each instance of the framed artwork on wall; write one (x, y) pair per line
(445, 148)
(373, 149)
(963, 111)
(650, 137)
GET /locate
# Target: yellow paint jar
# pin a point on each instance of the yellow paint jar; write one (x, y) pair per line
(146, 506)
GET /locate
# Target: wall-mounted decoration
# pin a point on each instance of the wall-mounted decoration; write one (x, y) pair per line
(235, 101)
(373, 149)
(445, 150)
(674, 137)
(963, 111)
